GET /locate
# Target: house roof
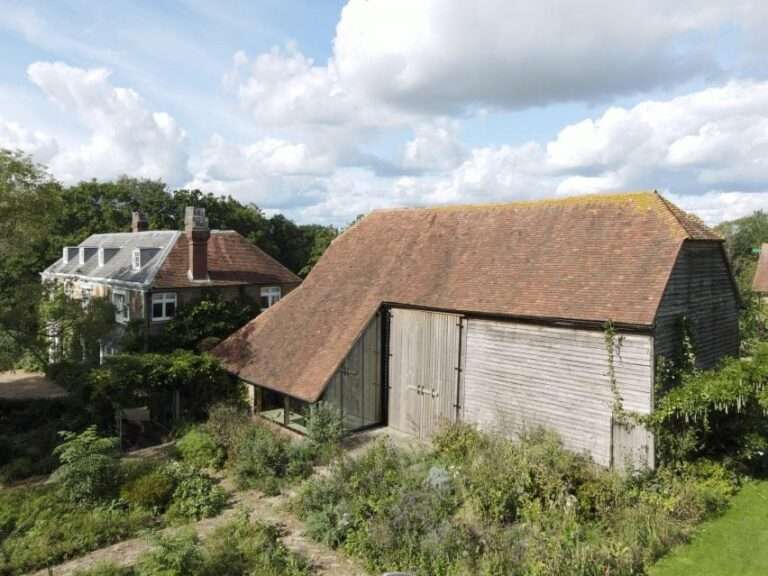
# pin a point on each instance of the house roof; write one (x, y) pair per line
(119, 267)
(232, 260)
(760, 281)
(588, 258)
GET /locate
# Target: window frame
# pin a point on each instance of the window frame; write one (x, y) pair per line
(136, 260)
(163, 298)
(124, 316)
(273, 294)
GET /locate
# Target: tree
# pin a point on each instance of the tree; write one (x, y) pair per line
(320, 239)
(89, 466)
(742, 238)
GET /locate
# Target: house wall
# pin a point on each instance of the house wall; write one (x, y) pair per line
(520, 376)
(701, 289)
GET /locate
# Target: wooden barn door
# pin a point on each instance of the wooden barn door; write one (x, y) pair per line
(423, 370)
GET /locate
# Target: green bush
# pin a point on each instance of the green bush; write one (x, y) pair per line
(198, 448)
(176, 554)
(325, 431)
(105, 569)
(196, 495)
(89, 466)
(39, 528)
(227, 423)
(242, 547)
(265, 460)
(152, 491)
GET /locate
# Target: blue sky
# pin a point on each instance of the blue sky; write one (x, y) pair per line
(323, 110)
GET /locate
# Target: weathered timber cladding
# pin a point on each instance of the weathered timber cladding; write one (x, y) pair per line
(521, 376)
(355, 388)
(700, 289)
(423, 370)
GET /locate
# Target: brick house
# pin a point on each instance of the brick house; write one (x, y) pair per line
(149, 274)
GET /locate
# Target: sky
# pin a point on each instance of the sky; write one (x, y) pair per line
(323, 110)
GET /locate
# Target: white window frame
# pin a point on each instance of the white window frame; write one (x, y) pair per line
(272, 294)
(136, 259)
(86, 294)
(163, 298)
(121, 316)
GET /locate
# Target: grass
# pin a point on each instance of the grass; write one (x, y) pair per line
(735, 543)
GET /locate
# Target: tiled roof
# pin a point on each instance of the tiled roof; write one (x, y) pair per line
(588, 258)
(760, 281)
(118, 268)
(232, 260)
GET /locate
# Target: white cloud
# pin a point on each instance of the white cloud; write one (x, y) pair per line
(710, 138)
(39, 145)
(435, 146)
(124, 136)
(708, 148)
(438, 55)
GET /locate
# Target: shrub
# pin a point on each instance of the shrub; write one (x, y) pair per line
(173, 555)
(105, 569)
(39, 528)
(227, 423)
(263, 460)
(243, 547)
(325, 430)
(198, 448)
(196, 495)
(152, 491)
(458, 443)
(89, 466)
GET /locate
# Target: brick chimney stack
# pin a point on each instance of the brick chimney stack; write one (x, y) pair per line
(197, 231)
(139, 222)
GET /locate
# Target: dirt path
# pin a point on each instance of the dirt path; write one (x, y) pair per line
(268, 510)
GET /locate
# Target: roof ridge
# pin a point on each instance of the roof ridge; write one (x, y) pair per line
(626, 196)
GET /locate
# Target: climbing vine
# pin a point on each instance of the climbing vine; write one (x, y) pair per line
(612, 345)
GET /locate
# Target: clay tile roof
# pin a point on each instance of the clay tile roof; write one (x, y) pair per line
(586, 258)
(760, 281)
(232, 260)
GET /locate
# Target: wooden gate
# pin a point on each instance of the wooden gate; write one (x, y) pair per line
(423, 370)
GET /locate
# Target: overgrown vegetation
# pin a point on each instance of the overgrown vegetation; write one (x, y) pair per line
(482, 504)
(29, 432)
(197, 326)
(93, 500)
(718, 413)
(242, 547)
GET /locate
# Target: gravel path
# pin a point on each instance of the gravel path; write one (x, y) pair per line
(270, 510)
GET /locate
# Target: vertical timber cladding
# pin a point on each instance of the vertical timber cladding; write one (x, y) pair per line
(355, 389)
(423, 369)
(521, 376)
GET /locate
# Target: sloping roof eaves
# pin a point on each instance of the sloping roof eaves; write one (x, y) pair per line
(589, 259)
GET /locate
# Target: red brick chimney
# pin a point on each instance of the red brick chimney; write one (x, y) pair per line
(196, 229)
(139, 222)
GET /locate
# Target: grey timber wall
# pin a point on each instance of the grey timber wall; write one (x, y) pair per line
(700, 289)
(520, 376)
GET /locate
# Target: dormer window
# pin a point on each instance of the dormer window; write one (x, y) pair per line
(101, 256)
(136, 260)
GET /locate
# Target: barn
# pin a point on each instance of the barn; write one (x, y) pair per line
(496, 315)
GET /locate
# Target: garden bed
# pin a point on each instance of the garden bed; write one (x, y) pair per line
(480, 504)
